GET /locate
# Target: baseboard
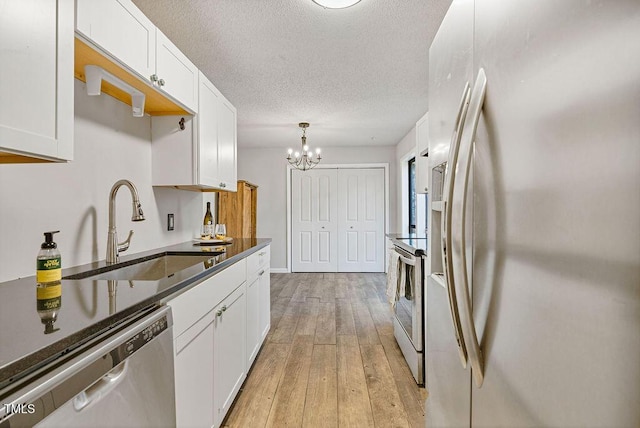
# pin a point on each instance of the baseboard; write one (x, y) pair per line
(279, 270)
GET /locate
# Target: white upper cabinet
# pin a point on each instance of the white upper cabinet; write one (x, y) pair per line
(227, 145)
(175, 74)
(422, 149)
(36, 81)
(203, 155)
(122, 31)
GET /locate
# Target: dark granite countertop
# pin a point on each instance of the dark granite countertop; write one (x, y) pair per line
(88, 308)
(414, 243)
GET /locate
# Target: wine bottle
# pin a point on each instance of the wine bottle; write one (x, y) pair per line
(208, 221)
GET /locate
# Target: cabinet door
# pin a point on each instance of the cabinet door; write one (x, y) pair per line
(264, 296)
(193, 364)
(422, 162)
(254, 331)
(230, 350)
(227, 145)
(177, 76)
(207, 133)
(36, 79)
(120, 29)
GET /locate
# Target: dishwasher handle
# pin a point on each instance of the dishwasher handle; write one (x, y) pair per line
(101, 388)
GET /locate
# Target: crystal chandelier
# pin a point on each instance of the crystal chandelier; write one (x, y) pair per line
(304, 160)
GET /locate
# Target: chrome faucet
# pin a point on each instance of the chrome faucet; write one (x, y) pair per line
(113, 247)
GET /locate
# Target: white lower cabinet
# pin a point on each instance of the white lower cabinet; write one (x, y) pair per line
(194, 374)
(229, 350)
(258, 302)
(264, 295)
(209, 323)
(253, 313)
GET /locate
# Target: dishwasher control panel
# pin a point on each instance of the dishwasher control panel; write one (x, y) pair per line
(140, 339)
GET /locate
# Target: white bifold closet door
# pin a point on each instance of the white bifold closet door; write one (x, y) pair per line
(337, 220)
(314, 220)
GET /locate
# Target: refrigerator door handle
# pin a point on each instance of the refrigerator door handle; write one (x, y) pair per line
(463, 168)
(445, 243)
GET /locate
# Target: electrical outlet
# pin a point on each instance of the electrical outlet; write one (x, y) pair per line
(170, 222)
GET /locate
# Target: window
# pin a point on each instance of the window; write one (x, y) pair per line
(417, 202)
(413, 206)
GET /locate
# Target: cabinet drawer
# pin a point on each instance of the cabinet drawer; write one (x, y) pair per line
(193, 304)
(258, 260)
(193, 331)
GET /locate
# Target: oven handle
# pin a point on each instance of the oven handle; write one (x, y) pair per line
(407, 261)
(449, 182)
(401, 255)
(460, 251)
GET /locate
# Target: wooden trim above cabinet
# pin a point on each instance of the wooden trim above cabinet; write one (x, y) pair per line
(156, 103)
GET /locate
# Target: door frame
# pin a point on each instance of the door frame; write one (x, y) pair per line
(290, 169)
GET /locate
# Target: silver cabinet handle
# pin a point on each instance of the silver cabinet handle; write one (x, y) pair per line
(223, 185)
(153, 78)
(261, 273)
(161, 82)
(459, 219)
(219, 312)
(445, 243)
(224, 308)
(351, 227)
(262, 253)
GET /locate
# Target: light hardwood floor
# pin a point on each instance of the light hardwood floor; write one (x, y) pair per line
(330, 359)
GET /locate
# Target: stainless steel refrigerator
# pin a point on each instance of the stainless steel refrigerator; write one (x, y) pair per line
(533, 297)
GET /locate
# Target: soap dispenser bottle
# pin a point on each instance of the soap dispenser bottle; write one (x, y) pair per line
(49, 276)
(48, 264)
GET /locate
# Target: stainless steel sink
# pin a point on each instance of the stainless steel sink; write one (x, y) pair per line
(146, 269)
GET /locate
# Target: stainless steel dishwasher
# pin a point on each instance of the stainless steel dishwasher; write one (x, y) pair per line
(125, 379)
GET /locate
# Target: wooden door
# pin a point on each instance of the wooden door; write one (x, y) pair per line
(361, 220)
(314, 225)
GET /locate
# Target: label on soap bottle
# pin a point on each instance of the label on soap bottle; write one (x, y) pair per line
(49, 270)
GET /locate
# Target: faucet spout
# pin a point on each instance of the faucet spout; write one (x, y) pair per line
(113, 247)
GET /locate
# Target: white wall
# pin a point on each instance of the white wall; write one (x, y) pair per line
(267, 168)
(110, 144)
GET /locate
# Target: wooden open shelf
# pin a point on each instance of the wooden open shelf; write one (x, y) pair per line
(156, 103)
(6, 157)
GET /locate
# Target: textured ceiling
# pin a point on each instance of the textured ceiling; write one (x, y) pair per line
(358, 75)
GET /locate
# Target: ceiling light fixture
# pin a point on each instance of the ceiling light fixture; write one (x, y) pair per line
(304, 160)
(336, 4)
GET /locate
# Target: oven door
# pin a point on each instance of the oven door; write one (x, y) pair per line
(408, 307)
